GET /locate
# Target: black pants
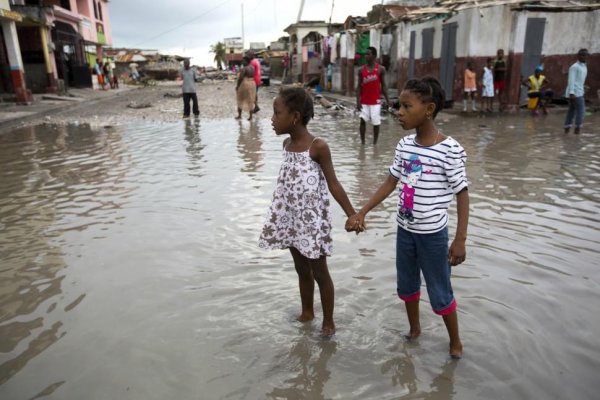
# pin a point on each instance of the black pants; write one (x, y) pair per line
(541, 94)
(186, 104)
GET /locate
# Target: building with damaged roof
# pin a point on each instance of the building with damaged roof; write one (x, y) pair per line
(440, 39)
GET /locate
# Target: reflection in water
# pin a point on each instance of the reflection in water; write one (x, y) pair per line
(50, 180)
(250, 145)
(307, 363)
(404, 374)
(48, 390)
(195, 147)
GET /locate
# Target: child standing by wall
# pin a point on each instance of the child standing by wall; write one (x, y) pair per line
(470, 88)
(299, 218)
(431, 169)
(487, 84)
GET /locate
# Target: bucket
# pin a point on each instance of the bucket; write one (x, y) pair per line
(532, 103)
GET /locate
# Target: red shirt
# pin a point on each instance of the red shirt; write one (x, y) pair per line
(370, 89)
(256, 65)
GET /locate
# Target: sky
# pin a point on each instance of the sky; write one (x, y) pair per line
(189, 27)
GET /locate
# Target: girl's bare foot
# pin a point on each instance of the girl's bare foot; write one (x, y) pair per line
(327, 330)
(305, 317)
(413, 333)
(456, 350)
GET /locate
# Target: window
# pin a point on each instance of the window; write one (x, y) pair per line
(427, 52)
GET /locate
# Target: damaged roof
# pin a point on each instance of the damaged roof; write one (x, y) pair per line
(449, 7)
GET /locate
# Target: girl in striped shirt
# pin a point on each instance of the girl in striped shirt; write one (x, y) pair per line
(430, 167)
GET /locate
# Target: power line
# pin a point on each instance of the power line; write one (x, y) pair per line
(185, 23)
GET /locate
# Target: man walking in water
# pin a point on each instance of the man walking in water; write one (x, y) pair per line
(371, 84)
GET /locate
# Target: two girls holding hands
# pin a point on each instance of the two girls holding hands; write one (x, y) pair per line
(431, 169)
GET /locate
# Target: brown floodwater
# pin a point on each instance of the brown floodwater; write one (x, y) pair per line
(129, 267)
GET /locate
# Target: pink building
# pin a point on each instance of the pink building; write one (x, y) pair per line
(58, 42)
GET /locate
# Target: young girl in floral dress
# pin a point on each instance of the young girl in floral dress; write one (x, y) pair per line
(299, 218)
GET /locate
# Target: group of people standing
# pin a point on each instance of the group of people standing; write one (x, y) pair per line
(493, 84)
(246, 88)
(538, 91)
(105, 73)
(371, 87)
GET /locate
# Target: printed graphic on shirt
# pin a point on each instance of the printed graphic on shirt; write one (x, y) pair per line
(370, 78)
(413, 169)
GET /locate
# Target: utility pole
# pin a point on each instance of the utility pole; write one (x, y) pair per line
(300, 11)
(243, 38)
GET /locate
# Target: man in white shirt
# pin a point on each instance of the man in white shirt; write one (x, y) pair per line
(575, 92)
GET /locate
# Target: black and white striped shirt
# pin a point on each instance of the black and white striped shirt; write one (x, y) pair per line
(429, 178)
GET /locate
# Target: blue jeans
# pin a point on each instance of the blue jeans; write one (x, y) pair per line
(416, 252)
(577, 110)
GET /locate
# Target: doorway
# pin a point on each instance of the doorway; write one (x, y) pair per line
(447, 60)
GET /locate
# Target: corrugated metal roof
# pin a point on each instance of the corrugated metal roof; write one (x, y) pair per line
(449, 7)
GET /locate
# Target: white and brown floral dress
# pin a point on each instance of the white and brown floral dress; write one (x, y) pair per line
(299, 214)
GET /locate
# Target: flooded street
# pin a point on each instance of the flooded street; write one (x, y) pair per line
(130, 267)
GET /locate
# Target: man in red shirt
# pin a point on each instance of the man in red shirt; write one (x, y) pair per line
(371, 84)
(257, 78)
(285, 62)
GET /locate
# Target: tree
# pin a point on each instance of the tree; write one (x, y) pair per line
(219, 50)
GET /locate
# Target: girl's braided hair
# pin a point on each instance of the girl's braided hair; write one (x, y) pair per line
(298, 99)
(429, 90)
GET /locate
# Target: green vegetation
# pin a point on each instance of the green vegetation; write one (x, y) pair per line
(219, 50)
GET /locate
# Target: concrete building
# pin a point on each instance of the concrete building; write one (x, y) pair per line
(306, 48)
(12, 70)
(439, 40)
(234, 51)
(415, 38)
(59, 41)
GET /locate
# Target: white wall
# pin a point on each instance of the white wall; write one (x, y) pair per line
(481, 32)
(403, 44)
(566, 33)
(302, 32)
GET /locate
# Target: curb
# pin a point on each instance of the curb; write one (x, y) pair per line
(55, 109)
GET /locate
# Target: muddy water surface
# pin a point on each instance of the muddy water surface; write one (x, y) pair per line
(130, 268)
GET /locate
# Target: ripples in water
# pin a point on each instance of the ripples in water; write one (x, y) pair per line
(130, 267)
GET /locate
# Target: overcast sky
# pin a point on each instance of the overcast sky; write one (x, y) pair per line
(190, 27)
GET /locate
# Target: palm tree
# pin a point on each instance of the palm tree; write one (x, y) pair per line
(219, 50)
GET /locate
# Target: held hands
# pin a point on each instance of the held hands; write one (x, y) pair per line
(457, 252)
(356, 223)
